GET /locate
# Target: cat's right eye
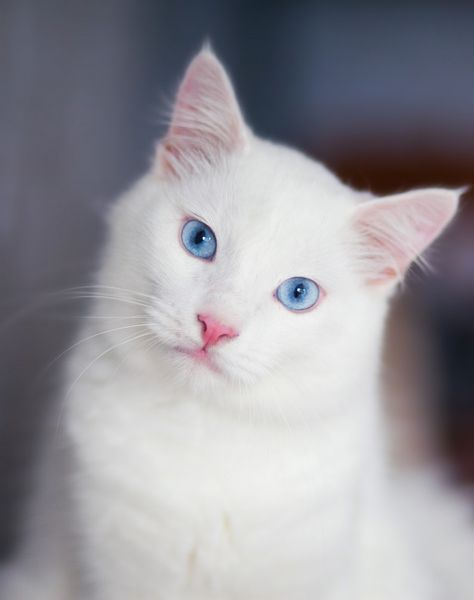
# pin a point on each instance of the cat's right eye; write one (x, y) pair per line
(199, 239)
(298, 293)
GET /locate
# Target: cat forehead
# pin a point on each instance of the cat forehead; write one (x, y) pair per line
(266, 189)
(278, 205)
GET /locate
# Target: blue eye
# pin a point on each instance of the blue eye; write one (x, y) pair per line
(298, 293)
(199, 239)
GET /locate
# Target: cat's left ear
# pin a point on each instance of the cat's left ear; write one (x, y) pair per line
(206, 120)
(395, 230)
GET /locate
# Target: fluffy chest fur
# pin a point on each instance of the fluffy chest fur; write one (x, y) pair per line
(206, 504)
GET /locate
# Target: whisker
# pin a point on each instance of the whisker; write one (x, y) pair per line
(66, 317)
(163, 310)
(114, 347)
(82, 373)
(97, 295)
(145, 347)
(111, 287)
(78, 343)
(55, 297)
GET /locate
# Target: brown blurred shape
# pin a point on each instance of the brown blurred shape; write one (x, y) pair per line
(451, 400)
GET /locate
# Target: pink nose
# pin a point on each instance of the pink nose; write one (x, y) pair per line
(213, 331)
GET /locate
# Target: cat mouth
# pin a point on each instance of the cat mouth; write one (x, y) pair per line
(200, 356)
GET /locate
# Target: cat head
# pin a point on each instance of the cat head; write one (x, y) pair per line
(259, 265)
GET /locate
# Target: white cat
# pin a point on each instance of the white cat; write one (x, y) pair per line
(223, 438)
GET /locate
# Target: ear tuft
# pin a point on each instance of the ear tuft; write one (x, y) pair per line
(206, 121)
(395, 230)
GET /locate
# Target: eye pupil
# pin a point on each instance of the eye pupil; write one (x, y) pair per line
(300, 290)
(201, 237)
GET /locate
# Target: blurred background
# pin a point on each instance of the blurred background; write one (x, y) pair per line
(382, 93)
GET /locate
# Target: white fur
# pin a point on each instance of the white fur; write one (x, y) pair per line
(266, 480)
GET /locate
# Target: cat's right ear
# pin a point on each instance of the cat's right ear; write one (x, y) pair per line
(206, 120)
(393, 231)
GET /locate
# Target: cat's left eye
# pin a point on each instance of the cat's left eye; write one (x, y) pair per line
(199, 239)
(298, 293)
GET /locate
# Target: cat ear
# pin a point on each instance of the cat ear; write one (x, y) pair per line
(393, 231)
(206, 120)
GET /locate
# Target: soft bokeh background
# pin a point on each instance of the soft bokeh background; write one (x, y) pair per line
(383, 93)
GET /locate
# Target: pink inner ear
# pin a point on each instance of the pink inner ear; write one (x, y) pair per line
(395, 230)
(206, 118)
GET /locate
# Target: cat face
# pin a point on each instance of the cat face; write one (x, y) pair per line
(237, 254)
(260, 264)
